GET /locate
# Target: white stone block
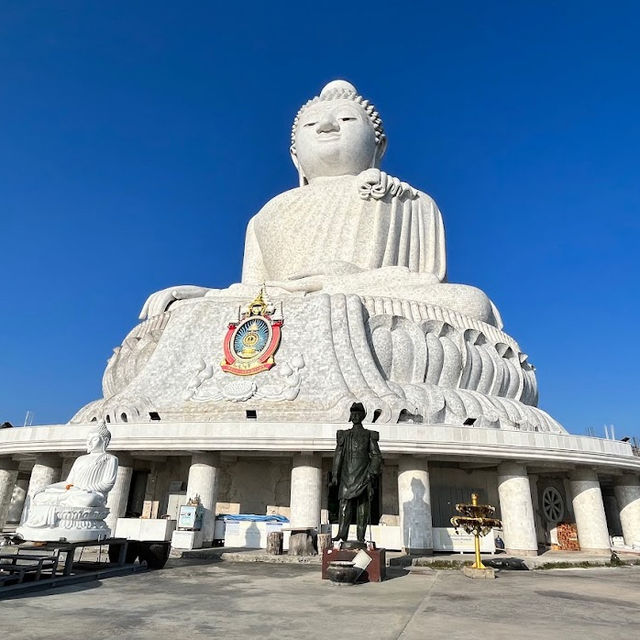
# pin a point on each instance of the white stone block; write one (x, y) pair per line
(186, 540)
(148, 529)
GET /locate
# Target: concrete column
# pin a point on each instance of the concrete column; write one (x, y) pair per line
(203, 481)
(588, 509)
(8, 477)
(17, 500)
(627, 492)
(306, 491)
(67, 463)
(45, 471)
(414, 501)
(516, 507)
(119, 495)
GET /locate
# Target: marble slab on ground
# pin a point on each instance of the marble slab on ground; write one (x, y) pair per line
(243, 555)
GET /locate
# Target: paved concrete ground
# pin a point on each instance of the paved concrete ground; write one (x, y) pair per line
(228, 600)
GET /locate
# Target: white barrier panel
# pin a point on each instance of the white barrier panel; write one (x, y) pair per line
(385, 536)
(446, 539)
(245, 534)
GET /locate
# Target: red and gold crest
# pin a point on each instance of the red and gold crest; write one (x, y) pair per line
(251, 342)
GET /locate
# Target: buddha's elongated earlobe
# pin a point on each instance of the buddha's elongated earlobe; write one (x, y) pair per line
(381, 147)
(294, 158)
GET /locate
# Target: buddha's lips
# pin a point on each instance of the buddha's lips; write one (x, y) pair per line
(328, 136)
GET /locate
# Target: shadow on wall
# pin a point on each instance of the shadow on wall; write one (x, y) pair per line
(413, 517)
(252, 536)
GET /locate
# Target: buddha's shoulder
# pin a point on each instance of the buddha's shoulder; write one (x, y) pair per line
(283, 201)
(324, 189)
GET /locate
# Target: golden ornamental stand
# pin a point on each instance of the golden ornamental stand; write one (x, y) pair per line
(476, 520)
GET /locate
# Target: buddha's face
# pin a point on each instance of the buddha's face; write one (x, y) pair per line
(95, 443)
(335, 138)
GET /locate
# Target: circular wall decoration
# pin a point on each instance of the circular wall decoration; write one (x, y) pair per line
(251, 338)
(251, 341)
(552, 505)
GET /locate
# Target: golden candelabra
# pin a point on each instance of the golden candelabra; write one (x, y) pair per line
(475, 519)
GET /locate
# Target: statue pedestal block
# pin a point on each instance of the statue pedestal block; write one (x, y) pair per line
(488, 573)
(302, 541)
(72, 524)
(375, 572)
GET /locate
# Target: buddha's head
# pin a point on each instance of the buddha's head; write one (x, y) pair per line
(98, 438)
(336, 133)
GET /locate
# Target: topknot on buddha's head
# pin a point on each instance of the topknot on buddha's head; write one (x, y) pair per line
(100, 430)
(341, 90)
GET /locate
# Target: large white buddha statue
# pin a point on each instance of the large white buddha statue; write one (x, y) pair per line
(350, 269)
(75, 508)
(349, 227)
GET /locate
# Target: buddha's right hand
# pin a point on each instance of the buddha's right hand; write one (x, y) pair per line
(376, 184)
(159, 301)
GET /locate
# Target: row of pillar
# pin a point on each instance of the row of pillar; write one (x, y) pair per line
(588, 507)
(514, 492)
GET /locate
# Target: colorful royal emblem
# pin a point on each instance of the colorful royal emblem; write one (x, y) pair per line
(251, 342)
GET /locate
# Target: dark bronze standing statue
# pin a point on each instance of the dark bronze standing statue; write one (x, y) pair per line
(356, 463)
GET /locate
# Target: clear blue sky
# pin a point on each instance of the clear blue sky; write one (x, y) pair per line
(139, 138)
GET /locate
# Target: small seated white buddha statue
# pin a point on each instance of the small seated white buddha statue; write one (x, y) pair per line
(348, 227)
(79, 502)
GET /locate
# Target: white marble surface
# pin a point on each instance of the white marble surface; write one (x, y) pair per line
(17, 500)
(448, 441)
(306, 491)
(8, 477)
(75, 509)
(408, 361)
(367, 312)
(119, 494)
(588, 509)
(203, 482)
(516, 509)
(146, 529)
(186, 539)
(337, 146)
(627, 492)
(45, 471)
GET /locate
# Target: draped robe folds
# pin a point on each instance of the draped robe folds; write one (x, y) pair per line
(90, 474)
(329, 221)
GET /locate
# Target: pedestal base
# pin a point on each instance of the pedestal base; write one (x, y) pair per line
(479, 574)
(60, 534)
(51, 523)
(302, 541)
(353, 544)
(375, 572)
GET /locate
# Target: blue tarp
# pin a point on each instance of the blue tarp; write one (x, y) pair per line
(250, 517)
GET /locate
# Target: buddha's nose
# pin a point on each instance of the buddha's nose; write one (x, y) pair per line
(327, 123)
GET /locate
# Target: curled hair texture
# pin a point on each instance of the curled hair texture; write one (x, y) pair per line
(341, 91)
(101, 430)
